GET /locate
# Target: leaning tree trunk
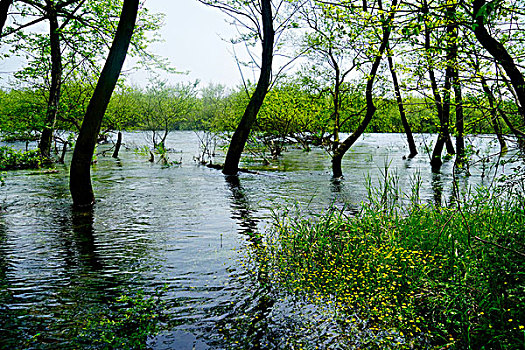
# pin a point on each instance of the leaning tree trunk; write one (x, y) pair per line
(500, 54)
(493, 115)
(442, 105)
(404, 120)
(240, 136)
(80, 177)
(370, 107)
(117, 145)
(452, 29)
(4, 9)
(46, 138)
(460, 120)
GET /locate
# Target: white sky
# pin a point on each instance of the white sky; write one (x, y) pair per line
(193, 41)
(196, 40)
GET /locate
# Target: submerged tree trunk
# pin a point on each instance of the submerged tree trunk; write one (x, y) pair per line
(117, 145)
(240, 136)
(435, 161)
(442, 104)
(406, 126)
(63, 154)
(336, 96)
(4, 10)
(494, 115)
(46, 138)
(370, 107)
(500, 54)
(460, 120)
(452, 31)
(80, 177)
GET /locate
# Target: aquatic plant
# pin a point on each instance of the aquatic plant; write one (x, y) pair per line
(127, 322)
(419, 276)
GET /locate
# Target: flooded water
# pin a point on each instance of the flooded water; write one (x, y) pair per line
(186, 227)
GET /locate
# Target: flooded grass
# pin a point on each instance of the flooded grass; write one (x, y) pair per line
(419, 276)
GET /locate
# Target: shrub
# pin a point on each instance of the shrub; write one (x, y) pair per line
(12, 159)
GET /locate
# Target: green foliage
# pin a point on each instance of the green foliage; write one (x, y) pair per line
(126, 323)
(451, 276)
(12, 159)
(22, 114)
(86, 28)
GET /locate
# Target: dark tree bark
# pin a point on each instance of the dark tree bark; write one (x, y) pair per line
(63, 154)
(442, 104)
(240, 136)
(406, 126)
(494, 114)
(117, 145)
(336, 95)
(452, 31)
(46, 138)
(460, 117)
(80, 176)
(492, 101)
(4, 10)
(370, 107)
(500, 54)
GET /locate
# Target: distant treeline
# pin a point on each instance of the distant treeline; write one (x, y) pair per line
(290, 108)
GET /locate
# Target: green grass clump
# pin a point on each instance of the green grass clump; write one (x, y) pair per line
(12, 159)
(430, 276)
(126, 323)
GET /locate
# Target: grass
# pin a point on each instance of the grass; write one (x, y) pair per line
(126, 323)
(419, 275)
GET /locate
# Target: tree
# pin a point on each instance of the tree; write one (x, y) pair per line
(482, 11)
(80, 172)
(330, 46)
(4, 10)
(401, 107)
(79, 31)
(386, 26)
(258, 21)
(266, 34)
(164, 108)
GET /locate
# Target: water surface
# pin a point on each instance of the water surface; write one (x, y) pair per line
(186, 227)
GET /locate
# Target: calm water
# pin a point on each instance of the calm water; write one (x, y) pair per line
(186, 227)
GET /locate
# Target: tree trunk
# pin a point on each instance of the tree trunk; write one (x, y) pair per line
(117, 145)
(442, 105)
(370, 107)
(80, 177)
(493, 114)
(460, 122)
(337, 103)
(406, 126)
(452, 29)
(240, 136)
(56, 76)
(450, 17)
(435, 161)
(63, 154)
(4, 10)
(492, 101)
(500, 54)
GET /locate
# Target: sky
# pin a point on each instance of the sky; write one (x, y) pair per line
(195, 41)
